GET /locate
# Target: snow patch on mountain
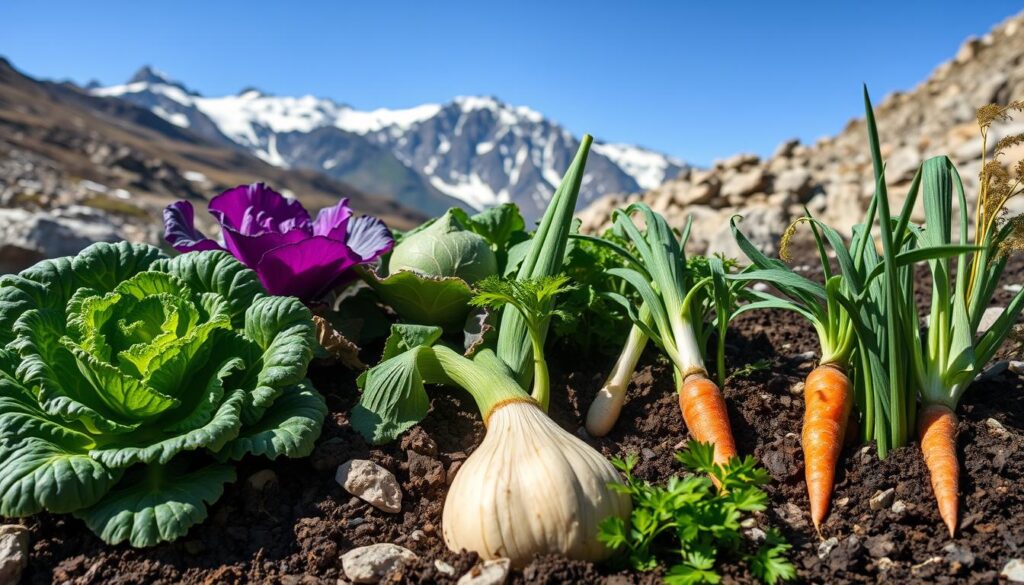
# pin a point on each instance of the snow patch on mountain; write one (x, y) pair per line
(649, 168)
(476, 149)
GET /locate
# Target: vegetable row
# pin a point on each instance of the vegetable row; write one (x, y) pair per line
(130, 382)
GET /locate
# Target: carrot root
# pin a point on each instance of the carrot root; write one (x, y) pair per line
(706, 416)
(937, 430)
(828, 400)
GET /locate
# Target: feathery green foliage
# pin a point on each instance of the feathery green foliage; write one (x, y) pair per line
(691, 524)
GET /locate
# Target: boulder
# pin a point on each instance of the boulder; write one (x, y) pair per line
(796, 181)
(27, 237)
(762, 224)
(737, 188)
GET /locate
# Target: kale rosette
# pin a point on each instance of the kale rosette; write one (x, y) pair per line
(130, 382)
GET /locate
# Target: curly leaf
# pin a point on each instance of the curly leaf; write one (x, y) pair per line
(213, 436)
(159, 507)
(283, 328)
(290, 429)
(36, 474)
(217, 272)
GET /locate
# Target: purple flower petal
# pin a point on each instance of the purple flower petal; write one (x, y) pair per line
(255, 209)
(333, 221)
(308, 269)
(251, 249)
(369, 237)
(180, 229)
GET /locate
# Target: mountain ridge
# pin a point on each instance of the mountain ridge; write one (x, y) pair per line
(472, 151)
(833, 177)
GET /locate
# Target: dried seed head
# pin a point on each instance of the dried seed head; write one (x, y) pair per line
(1014, 240)
(996, 113)
(786, 241)
(991, 113)
(1008, 142)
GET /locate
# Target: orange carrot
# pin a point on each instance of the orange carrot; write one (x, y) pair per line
(937, 430)
(706, 417)
(828, 399)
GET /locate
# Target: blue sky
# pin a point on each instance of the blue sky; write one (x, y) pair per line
(699, 80)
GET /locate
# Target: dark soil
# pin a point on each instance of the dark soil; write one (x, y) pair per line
(294, 528)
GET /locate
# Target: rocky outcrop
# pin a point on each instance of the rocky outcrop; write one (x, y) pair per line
(27, 237)
(833, 177)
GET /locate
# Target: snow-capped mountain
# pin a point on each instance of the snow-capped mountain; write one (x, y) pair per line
(473, 151)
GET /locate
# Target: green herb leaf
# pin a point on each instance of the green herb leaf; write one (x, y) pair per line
(705, 521)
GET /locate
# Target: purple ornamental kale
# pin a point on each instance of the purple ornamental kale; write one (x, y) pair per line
(293, 255)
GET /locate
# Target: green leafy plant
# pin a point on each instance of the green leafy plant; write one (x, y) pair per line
(430, 273)
(679, 311)
(593, 323)
(691, 520)
(527, 466)
(129, 383)
(943, 363)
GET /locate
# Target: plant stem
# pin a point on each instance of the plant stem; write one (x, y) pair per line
(489, 387)
(541, 381)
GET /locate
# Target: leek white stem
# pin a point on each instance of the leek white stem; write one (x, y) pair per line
(607, 405)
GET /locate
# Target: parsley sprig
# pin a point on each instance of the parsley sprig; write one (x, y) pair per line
(691, 520)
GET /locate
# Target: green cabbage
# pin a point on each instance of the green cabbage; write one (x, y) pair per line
(445, 248)
(130, 382)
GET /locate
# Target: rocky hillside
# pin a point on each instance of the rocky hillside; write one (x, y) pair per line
(474, 151)
(833, 177)
(76, 168)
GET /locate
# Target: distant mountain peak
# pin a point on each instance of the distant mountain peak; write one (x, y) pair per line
(252, 91)
(149, 74)
(153, 76)
(477, 150)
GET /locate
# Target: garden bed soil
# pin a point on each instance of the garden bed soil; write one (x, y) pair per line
(289, 521)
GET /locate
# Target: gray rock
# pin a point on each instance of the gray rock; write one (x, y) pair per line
(13, 552)
(826, 546)
(996, 428)
(489, 573)
(738, 161)
(882, 499)
(371, 483)
(756, 535)
(444, 568)
(791, 514)
(737, 188)
(787, 148)
(879, 546)
(794, 181)
(1014, 571)
(899, 507)
(28, 237)
(262, 479)
(762, 224)
(901, 165)
(368, 564)
(960, 555)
